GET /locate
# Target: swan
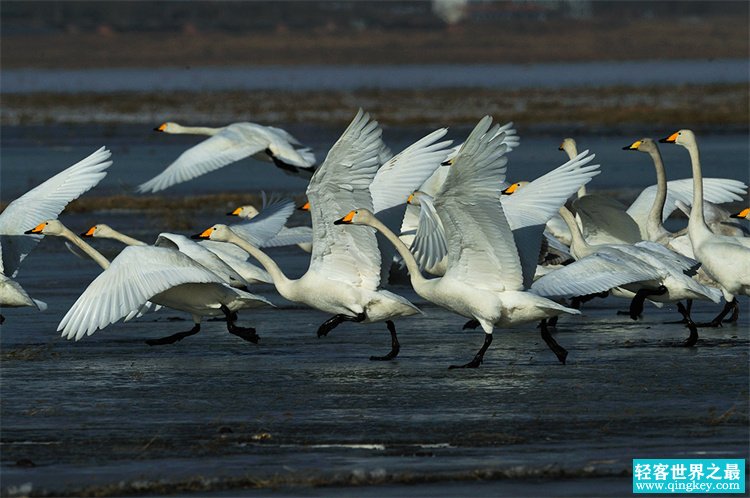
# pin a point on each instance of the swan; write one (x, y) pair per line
(718, 219)
(726, 259)
(286, 236)
(484, 278)
(142, 274)
(229, 144)
(47, 200)
(345, 268)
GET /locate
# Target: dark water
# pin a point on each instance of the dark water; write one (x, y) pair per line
(31, 154)
(296, 78)
(301, 416)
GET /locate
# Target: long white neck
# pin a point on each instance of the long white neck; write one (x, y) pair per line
(579, 247)
(417, 280)
(192, 130)
(82, 245)
(572, 150)
(284, 285)
(119, 236)
(654, 223)
(696, 212)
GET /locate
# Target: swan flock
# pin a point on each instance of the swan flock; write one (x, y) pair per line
(457, 222)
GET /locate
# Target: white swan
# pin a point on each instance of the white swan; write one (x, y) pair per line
(345, 267)
(726, 259)
(229, 144)
(47, 200)
(484, 279)
(142, 274)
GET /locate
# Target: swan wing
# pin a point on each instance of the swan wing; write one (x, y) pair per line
(604, 220)
(264, 227)
(227, 146)
(201, 255)
(290, 236)
(43, 202)
(341, 184)
(510, 139)
(597, 272)
(135, 275)
(537, 202)
(406, 171)
(430, 243)
(481, 250)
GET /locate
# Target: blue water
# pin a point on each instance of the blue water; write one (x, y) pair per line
(290, 78)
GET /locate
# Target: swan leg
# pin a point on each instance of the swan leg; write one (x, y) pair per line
(171, 339)
(693, 338)
(246, 333)
(577, 301)
(471, 324)
(290, 168)
(559, 351)
(337, 320)
(716, 322)
(479, 356)
(732, 318)
(395, 346)
(2, 318)
(636, 305)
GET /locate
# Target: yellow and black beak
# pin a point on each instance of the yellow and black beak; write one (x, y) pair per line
(410, 198)
(236, 212)
(670, 139)
(561, 147)
(161, 127)
(741, 214)
(510, 190)
(36, 229)
(633, 146)
(205, 234)
(346, 220)
(304, 207)
(89, 232)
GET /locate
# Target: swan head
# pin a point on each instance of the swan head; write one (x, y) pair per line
(569, 146)
(304, 207)
(49, 227)
(643, 145)
(221, 233)
(168, 127)
(415, 198)
(356, 217)
(247, 211)
(682, 137)
(744, 214)
(514, 187)
(100, 231)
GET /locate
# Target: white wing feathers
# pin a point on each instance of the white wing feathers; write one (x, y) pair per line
(481, 250)
(429, 245)
(266, 225)
(44, 202)
(341, 184)
(201, 255)
(137, 274)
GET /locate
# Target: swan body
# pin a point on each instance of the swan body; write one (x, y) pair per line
(229, 144)
(47, 200)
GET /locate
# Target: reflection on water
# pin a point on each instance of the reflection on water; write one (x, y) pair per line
(549, 75)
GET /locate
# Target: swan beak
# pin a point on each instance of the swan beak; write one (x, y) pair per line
(236, 212)
(410, 198)
(633, 146)
(561, 147)
(670, 139)
(510, 189)
(346, 220)
(89, 232)
(36, 229)
(161, 127)
(304, 207)
(449, 162)
(741, 214)
(205, 234)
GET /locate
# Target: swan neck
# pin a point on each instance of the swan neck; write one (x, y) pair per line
(85, 247)
(282, 283)
(696, 213)
(415, 275)
(193, 130)
(657, 208)
(121, 237)
(578, 243)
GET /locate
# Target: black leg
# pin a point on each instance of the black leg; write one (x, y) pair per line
(636, 305)
(559, 351)
(174, 337)
(471, 324)
(732, 318)
(716, 322)
(553, 321)
(246, 333)
(337, 320)
(577, 301)
(479, 356)
(2, 318)
(395, 346)
(693, 338)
